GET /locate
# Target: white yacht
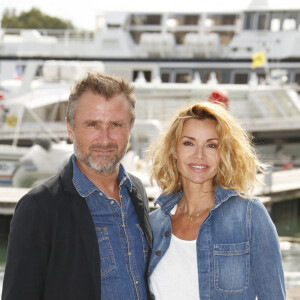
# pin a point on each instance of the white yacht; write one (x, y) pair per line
(172, 45)
(271, 112)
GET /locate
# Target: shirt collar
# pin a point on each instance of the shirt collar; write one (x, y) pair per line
(167, 202)
(85, 187)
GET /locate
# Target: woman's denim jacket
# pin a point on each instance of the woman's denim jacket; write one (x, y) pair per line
(238, 251)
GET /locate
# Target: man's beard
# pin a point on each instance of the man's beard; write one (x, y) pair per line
(104, 166)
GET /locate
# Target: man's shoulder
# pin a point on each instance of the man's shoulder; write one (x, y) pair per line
(49, 186)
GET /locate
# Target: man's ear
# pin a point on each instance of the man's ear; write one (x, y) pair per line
(70, 130)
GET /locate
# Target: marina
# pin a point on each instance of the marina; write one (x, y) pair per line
(172, 58)
(173, 45)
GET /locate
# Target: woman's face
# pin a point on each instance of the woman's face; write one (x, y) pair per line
(197, 152)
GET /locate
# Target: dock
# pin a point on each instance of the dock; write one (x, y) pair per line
(280, 186)
(9, 197)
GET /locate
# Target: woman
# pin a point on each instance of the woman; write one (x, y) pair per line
(211, 239)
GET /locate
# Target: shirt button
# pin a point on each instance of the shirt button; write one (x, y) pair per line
(136, 282)
(129, 253)
(166, 233)
(158, 253)
(112, 202)
(100, 194)
(120, 196)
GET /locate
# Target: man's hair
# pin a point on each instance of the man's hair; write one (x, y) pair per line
(238, 161)
(105, 85)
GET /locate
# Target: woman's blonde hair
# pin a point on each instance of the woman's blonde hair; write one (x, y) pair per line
(239, 163)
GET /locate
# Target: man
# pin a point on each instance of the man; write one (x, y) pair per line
(85, 233)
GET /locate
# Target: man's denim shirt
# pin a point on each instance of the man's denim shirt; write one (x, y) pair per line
(238, 251)
(122, 245)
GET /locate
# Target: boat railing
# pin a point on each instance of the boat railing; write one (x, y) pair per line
(59, 34)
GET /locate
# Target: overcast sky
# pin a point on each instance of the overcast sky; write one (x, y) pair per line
(83, 13)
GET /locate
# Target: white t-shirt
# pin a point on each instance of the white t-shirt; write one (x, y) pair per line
(176, 275)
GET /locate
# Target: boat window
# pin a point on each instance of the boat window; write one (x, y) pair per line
(221, 19)
(165, 77)
(241, 78)
(39, 71)
(262, 21)
(147, 74)
(289, 21)
(297, 78)
(248, 21)
(145, 19)
(207, 76)
(183, 77)
(181, 19)
(275, 22)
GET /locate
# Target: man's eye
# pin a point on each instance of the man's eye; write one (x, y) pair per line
(92, 124)
(117, 124)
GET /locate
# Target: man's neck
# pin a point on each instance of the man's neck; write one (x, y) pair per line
(106, 182)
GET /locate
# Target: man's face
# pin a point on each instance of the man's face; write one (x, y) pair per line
(101, 132)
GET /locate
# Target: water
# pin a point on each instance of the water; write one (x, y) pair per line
(290, 253)
(290, 250)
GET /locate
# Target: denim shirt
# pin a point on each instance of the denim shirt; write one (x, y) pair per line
(122, 245)
(238, 253)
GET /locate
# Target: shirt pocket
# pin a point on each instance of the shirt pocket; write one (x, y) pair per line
(144, 243)
(232, 267)
(107, 259)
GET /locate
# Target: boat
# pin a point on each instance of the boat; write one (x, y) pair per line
(269, 111)
(171, 44)
(34, 144)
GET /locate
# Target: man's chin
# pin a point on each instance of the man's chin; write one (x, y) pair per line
(106, 167)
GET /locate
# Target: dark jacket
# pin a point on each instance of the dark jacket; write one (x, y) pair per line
(53, 250)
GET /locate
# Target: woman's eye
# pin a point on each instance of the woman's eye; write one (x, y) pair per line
(187, 143)
(212, 146)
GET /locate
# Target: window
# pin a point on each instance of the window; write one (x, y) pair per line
(208, 75)
(248, 21)
(297, 78)
(165, 77)
(289, 21)
(275, 22)
(240, 78)
(145, 19)
(183, 77)
(262, 21)
(181, 20)
(147, 75)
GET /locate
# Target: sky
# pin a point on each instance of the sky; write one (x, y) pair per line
(83, 13)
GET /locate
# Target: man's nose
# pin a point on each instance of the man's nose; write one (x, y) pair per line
(104, 134)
